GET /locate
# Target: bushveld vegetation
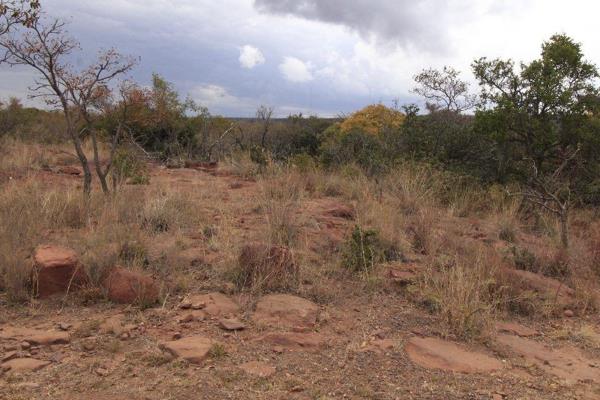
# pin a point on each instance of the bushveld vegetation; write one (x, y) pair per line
(521, 159)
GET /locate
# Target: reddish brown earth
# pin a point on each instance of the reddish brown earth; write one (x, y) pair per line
(323, 341)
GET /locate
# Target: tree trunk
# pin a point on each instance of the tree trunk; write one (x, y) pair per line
(564, 228)
(87, 174)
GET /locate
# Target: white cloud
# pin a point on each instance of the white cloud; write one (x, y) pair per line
(296, 70)
(251, 56)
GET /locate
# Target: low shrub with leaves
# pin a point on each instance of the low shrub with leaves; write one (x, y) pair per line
(362, 250)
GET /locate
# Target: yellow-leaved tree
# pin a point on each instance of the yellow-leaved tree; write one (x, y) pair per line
(373, 119)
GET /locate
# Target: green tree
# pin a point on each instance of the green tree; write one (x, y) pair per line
(539, 119)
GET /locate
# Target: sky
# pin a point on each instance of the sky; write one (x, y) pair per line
(317, 57)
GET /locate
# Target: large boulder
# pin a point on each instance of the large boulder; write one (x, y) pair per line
(56, 269)
(127, 287)
(267, 267)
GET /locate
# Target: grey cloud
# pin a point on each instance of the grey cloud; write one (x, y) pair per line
(417, 23)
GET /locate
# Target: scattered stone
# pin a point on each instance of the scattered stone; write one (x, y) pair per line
(440, 354)
(294, 341)
(231, 324)
(124, 286)
(9, 356)
(55, 270)
(258, 368)
(89, 345)
(278, 349)
(216, 304)
(194, 349)
(177, 336)
(566, 363)
(199, 306)
(185, 304)
(287, 311)
(192, 316)
(514, 328)
(113, 325)
(569, 313)
(63, 326)
(102, 372)
(268, 266)
(34, 336)
(24, 365)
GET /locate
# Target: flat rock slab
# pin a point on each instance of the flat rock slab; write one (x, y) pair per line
(286, 311)
(231, 324)
(441, 354)
(258, 368)
(35, 336)
(566, 363)
(24, 365)
(295, 341)
(514, 328)
(215, 304)
(194, 349)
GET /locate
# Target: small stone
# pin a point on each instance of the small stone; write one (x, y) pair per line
(102, 372)
(63, 326)
(231, 324)
(9, 356)
(89, 346)
(569, 313)
(257, 368)
(278, 349)
(199, 306)
(185, 305)
(177, 336)
(25, 345)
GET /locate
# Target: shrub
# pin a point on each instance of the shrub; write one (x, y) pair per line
(362, 250)
(128, 166)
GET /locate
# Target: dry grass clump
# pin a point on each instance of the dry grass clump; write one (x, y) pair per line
(278, 200)
(463, 292)
(168, 211)
(264, 267)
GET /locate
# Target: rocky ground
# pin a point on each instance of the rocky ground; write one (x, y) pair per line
(214, 342)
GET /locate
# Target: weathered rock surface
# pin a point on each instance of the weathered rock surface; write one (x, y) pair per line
(548, 288)
(124, 286)
(286, 311)
(258, 368)
(295, 341)
(440, 354)
(215, 304)
(56, 269)
(231, 324)
(566, 363)
(194, 349)
(24, 365)
(514, 328)
(35, 336)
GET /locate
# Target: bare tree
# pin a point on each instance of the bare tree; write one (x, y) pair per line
(17, 12)
(264, 114)
(45, 46)
(444, 89)
(553, 192)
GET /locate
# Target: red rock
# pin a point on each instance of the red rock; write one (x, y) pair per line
(215, 304)
(231, 324)
(24, 365)
(56, 269)
(257, 368)
(566, 363)
(295, 341)
(282, 310)
(569, 313)
(194, 349)
(549, 288)
(515, 329)
(34, 336)
(440, 354)
(124, 286)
